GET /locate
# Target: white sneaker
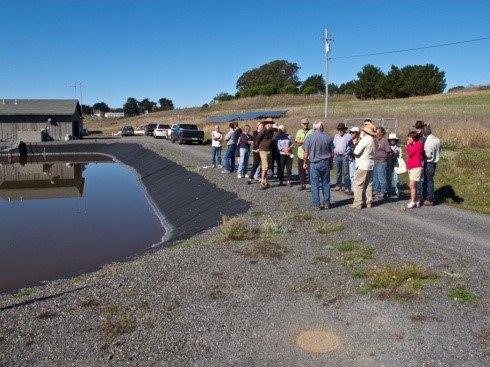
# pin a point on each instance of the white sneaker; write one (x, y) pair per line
(412, 205)
(206, 167)
(247, 175)
(239, 176)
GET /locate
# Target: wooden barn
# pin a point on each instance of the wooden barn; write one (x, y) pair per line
(35, 120)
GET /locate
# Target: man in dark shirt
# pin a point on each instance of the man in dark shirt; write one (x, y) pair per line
(255, 153)
(264, 141)
(244, 142)
(318, 148)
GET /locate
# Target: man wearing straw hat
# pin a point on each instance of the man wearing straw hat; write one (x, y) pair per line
(364, 153)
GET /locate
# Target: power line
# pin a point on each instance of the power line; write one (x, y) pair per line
(411, 49)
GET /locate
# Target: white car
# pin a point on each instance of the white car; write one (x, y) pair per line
(140, 131)
(161, 131)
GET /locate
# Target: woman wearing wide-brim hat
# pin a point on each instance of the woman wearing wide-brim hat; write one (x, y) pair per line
(364, 153)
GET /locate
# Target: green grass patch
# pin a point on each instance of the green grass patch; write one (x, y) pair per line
(461, 294)
(359, 273)
(396, 281)
(462, 180)
(327, 227)
(353, 252)
(24, 292)
(256, 214)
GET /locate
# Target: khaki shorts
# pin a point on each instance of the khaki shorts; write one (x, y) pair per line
(414, 174)
(264, 160)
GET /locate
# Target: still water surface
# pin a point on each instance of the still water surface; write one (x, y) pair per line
(60, 218)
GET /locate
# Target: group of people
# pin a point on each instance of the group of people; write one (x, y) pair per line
(368, 163)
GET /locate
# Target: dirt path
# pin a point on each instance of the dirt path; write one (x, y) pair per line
(443, 226)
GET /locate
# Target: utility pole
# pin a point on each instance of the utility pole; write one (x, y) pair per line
(75, 86)
(328, 40)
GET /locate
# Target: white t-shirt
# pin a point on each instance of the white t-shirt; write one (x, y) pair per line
(216, 135)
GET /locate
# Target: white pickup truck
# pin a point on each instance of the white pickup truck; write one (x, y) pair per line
(162, 131)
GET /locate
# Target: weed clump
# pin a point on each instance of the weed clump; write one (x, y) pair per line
(327, 227)
(302, 216)
(353, 252)
(459, 293)
(237, 229)
(399, 281)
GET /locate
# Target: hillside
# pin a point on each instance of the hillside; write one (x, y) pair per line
(459, 118)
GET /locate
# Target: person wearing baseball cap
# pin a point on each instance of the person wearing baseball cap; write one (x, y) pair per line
(393, 179)
(355, 136)
(364, 153)
(341, 149)
(300, 139)
(264, 141)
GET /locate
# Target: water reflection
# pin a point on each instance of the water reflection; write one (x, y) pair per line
(60, 217)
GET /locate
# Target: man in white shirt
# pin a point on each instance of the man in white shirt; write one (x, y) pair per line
(364, 153)
(216, 138)
(432, 151)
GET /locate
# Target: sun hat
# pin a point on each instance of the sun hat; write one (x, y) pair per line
(392, 136)
(275, 126)
(369, 128)
(305, 121)
(354, 129)
(341, 126)
(280, 127)
(419, 124)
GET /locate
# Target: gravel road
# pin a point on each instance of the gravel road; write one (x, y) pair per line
(209, 301)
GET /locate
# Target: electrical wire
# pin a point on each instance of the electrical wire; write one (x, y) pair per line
(411, 49)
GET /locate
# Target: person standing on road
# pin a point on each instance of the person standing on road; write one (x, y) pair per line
(318, 151)
(354, 133)
(300, 139)
(364, 153)
(264, 140)
(231, 141)
(244, 142)
(285, 148)
(381, 156)
(255, 171)
(420, 129)
(415, 151)
(216, 138)
(432, 150)
(393, 178)
(341, 150)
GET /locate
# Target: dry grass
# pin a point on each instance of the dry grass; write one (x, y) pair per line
(237, 229)
(461, 118)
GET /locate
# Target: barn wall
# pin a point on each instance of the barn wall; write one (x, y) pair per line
(60, 125)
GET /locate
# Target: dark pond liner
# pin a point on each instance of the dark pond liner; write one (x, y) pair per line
(187, 201)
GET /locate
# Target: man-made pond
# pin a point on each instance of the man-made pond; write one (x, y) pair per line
(59, 218)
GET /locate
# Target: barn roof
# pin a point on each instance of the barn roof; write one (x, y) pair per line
(38, 106)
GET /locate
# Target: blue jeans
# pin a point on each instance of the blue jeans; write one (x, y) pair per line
(342, 167)
(393, 179)
(216, 156)
(352, 172)
(243, 162)
(230, 158)
(379, 178)
(320, 177)
(428, 183)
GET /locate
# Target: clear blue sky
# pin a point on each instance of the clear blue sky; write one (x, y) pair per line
(189, 51)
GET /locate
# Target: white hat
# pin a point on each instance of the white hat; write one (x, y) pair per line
(354, 129)
(275, 126)
(392, 136)
(280, 127)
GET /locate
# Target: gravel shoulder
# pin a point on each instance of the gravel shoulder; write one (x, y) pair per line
(212, 301)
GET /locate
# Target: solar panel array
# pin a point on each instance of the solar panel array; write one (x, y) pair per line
(253, 115)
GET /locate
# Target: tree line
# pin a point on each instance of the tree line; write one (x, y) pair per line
(132, 107)
(281, 77)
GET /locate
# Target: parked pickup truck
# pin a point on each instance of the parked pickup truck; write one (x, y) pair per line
(186, 133)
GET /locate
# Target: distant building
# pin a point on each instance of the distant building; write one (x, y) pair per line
(35, 120)
(114, 115)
